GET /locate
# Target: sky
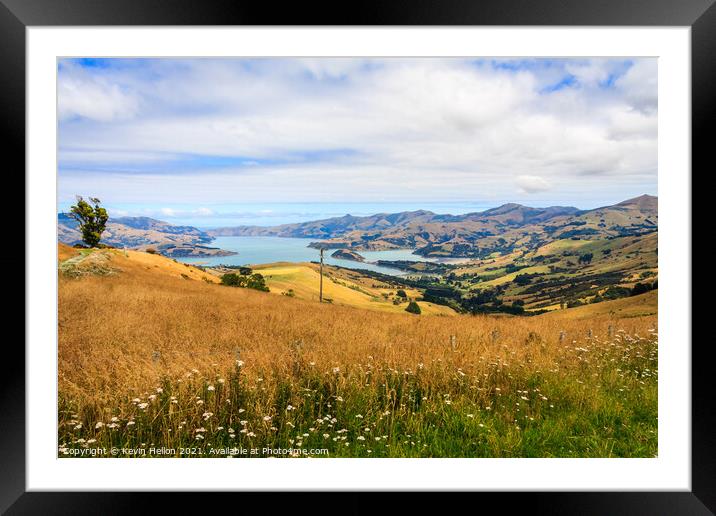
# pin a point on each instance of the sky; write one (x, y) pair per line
(214, 142)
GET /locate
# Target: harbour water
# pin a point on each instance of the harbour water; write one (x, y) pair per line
(259, 250)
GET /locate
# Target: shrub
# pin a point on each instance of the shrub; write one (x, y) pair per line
(523, 279)
(586, 258)
(616, 292)
(401, 293)
(230, 280)
(641, 288)
(255, 281)
(413, 308)
(150, 250)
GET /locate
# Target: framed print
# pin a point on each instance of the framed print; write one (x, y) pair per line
(416, 253)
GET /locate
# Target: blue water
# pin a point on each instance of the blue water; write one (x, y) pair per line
(258, 250)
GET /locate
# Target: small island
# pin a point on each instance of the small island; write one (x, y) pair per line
(192, 251)
(345, 254)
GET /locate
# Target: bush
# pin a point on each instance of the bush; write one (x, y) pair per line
(586, 258)
(641, 288)
(150, 250)
(255, 281)
(413, 308)
(401, 293)
(523, 279)
(230, 280)
(616, 292)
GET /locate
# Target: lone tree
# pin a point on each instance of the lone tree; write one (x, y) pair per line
(91, 217)
(413, 308)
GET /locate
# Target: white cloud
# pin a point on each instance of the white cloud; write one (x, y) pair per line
(94, 99)
(532, 184)
(317, 128)
(640, 85)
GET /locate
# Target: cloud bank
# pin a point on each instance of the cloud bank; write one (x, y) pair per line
(203, 131)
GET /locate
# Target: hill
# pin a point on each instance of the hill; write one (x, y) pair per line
(129, 263)
(143, 233)
(634, 306)
(150, 355)
(342, 287)
(299, 280)
(502, 230)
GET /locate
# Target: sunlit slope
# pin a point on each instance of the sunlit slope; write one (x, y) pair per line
(340, 287)
(139, 263)
(635, 306)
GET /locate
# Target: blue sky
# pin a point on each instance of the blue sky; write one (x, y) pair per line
(204, 140)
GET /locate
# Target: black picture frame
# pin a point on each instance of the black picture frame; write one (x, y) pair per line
(17, 15)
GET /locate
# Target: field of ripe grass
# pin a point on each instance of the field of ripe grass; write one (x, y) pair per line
(150, 359)
(340, 287)
(643, 305)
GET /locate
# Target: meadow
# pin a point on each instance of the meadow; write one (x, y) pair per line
(155, 354)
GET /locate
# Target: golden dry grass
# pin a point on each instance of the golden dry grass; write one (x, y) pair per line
(341, 287)
(123, 335)
(110, 326)
(643, 305)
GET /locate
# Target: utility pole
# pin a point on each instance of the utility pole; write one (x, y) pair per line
(320, 291)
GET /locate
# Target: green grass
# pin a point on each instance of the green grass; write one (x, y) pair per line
(602, 405)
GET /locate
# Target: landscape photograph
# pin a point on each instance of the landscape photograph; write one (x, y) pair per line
(357, 257)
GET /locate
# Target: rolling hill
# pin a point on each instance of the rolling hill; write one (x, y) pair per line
(478, 235)
(342, 287)
(142, 233)
(151, 354)
(298, 280)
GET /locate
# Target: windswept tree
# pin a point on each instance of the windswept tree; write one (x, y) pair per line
(92, 219)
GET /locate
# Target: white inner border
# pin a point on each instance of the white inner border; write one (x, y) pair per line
(671, 470)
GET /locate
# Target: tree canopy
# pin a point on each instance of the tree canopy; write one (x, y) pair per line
(92, 219)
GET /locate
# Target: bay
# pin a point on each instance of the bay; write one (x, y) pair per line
(259, 250)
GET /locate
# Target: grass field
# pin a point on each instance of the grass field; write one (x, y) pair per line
(340, 287)
(150, 355)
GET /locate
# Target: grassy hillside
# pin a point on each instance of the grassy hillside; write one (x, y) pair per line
(508, 228)
(564, 272)
(147, 357)
(340, 287)
(635, 306)
(135, 263)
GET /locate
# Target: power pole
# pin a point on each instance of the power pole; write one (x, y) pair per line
(320, 291)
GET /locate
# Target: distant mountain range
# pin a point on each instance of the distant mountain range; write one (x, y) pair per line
(478, 234)
(142, 233)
